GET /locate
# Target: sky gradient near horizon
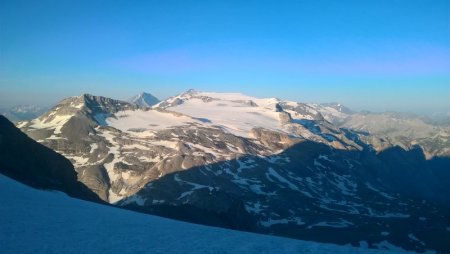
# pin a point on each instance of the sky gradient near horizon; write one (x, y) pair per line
(374, 55)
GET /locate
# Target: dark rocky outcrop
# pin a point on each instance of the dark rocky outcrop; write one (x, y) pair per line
(29, 162)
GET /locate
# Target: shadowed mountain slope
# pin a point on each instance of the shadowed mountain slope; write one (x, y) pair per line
(27, 161)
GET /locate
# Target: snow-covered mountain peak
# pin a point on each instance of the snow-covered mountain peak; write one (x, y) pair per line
(235, 112)
(207, 97)
(86, 106)
(144, 99)
(191, 129)
(239, 97)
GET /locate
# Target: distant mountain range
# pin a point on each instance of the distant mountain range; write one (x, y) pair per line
(316, 172)
(401, 129)
(22, 112)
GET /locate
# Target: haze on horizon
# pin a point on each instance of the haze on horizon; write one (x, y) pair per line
(367, 55)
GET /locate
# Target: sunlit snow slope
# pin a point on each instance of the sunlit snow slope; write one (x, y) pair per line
(35, 221)
(237, 113)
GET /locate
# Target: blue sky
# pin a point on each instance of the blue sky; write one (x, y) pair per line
(376, 55)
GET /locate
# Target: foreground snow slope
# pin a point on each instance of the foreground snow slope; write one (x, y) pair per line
(35, 221)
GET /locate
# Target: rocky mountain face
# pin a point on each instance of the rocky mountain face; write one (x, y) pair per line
(261, 165)
(144, 100)
(22, 112)
(72, 128)
(27, 161)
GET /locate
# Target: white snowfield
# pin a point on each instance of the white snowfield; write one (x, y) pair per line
(36, 221)
(234, 112)
(56, 123)
(147, 120)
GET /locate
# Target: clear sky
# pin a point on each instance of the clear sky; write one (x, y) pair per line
(375, 55)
